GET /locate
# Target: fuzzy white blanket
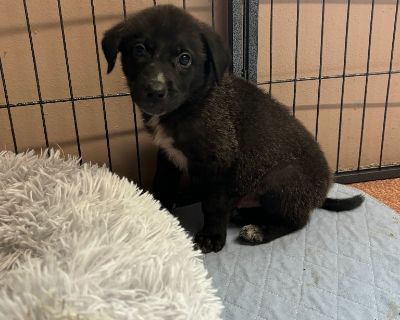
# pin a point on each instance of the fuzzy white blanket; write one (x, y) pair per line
(81, 243)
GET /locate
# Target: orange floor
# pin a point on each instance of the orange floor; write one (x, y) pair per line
(386, 191)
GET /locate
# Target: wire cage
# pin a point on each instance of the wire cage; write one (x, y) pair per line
(57, 83)
(352, 45)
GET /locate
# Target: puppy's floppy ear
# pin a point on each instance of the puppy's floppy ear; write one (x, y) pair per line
(111, 44)
(216, 52)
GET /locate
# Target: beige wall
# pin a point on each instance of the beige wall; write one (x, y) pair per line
(18, 68)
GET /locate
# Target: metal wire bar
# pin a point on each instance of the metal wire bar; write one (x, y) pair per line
(124, 8)
(154, 2)
(251, 55)
(387, 172)
(135, 125)
(388, 84)
(184, 4)
(270, 45)
(366, 84)
(245, 22)
(213, 14)
(39, 92)
(101, 84)
(10, 119)
(336, 76)
(321, 54)
(124, 94)
(296, 54)
(51, 101)
(343, 85)
(235, 20)
(71, 92)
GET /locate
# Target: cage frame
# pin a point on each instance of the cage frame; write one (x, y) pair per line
(243, 41)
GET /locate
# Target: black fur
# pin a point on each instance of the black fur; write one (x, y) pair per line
(342, 204)
(238, 141)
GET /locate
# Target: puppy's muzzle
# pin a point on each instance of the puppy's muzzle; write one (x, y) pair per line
(155, 91)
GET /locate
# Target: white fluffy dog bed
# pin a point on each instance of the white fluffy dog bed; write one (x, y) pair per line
(81, 243)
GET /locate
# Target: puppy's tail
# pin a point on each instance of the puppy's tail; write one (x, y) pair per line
(342, 204)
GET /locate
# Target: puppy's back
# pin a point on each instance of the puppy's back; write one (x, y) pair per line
(266, 133)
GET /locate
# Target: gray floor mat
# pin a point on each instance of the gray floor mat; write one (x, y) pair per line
(341, 266)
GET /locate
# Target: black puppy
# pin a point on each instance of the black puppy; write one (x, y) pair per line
(240, 147)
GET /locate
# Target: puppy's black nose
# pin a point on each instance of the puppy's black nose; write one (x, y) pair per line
(156, 90)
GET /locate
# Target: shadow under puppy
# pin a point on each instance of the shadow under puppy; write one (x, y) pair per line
(240, 147)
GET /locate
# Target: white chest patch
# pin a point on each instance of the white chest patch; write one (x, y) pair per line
(166, 142)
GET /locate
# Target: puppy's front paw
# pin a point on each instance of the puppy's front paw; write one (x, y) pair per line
(207, 241)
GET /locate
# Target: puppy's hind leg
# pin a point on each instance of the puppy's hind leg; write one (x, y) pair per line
(260, 225)
(244, 216)
(265, 232)
(287, 201)
(253, 233)
(274, 223)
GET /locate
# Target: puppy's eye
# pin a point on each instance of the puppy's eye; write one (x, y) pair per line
(139, 50)
(184, 59)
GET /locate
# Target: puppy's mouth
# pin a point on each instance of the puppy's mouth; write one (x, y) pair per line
(152, 109)
(156, 107)
(155, 98)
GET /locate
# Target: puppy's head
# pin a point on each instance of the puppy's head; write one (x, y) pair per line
(167, 57)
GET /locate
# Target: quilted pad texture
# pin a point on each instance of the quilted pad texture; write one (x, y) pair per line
(341, 266)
